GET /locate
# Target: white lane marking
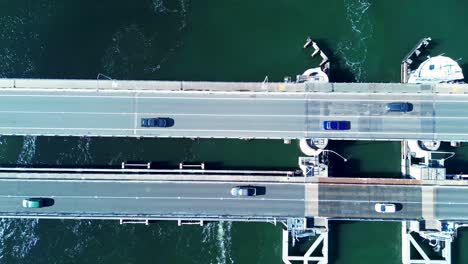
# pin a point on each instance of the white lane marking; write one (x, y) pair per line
(164, 97)
(231, 198)
(151, 197)
(146, 129)
(135, 114)
(145, 113)
(155, 181)
(391, 201)
(308, 99)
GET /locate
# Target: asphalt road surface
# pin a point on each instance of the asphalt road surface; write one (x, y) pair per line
(95, 198)
(233, 115)
(358, 201)
(150, 198)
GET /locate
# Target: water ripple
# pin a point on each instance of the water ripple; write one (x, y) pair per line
(17, 237)
(27, 151)
(132, 50)
(354, 50)
(218, 235)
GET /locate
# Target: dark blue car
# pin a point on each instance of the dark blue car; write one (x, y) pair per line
(336, 125)
(157, 122)
(399, 107)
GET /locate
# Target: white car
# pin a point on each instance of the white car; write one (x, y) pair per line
(385, 208)
(244, 191)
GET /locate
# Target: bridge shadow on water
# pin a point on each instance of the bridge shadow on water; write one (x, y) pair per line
(464, 67)
(425, 53)
(364, 159)
(338, 70)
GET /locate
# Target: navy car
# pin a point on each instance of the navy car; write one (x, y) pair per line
(336, 125)
(402, 107)
(157, 122)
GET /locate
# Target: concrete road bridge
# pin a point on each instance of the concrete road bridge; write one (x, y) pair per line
(116, 195)
(231, 110)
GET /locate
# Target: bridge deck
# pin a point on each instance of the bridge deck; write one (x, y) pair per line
(94, 195)
(45, 107)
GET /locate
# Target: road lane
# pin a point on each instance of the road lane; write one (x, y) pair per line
(358, 201)
(151, 198)
(232, 115)
(96, 198)
(451, 203)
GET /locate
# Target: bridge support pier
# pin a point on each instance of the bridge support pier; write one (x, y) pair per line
(442, 244)
(298, 229)
(307, 257)
(134, 221)
(181, 222)
(126, 165)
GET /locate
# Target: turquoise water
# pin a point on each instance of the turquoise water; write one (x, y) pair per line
(227, 40)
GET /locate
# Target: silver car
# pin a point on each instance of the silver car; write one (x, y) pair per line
(243, 191)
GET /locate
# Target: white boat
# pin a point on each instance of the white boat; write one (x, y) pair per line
(438, 69)
(313, 75)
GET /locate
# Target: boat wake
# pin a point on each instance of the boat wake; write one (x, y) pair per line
(84, 155)
(27, 151)
(74, 151)
(354, 50)
(219, 234)
(162, 6)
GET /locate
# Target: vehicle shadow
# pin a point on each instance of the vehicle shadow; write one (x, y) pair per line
(169, 122)
(260, 190)
(47, 202)
(398, 207)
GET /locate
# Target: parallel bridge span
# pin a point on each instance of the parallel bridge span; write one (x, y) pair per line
(147, 196)
(231, 110)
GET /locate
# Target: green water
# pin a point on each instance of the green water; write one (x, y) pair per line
(365, 242)
(363, 160)
(227, 40)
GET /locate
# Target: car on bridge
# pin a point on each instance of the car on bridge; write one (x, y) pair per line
(33, 203)
(157, 122)
(244, 191)
(385, 208)
(402, 107)
(336, 125)
(37, 202)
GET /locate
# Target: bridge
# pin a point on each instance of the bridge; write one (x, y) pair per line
(231, 110)
(117, 194)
